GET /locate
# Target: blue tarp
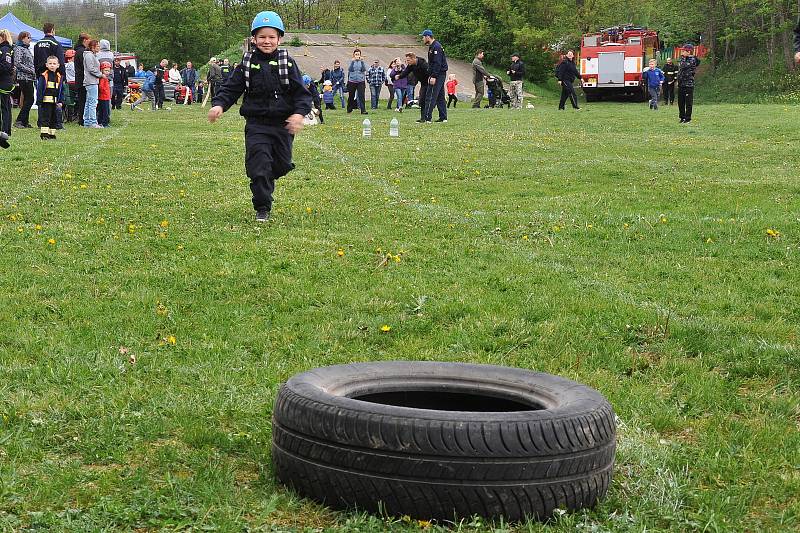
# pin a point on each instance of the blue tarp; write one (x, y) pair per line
(14, 25)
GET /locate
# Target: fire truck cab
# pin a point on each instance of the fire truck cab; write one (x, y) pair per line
(612, 61)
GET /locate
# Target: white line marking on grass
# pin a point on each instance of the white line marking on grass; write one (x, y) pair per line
(67, 160)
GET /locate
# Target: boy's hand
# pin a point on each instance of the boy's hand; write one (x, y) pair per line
(294, 123)
(214, 113)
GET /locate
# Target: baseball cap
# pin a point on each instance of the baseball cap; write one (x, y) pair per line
(427, 33)
(105, 64)
(515, 54)
(689, 46)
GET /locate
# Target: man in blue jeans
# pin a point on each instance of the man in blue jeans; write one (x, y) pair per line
(376, 77)
(437, 76)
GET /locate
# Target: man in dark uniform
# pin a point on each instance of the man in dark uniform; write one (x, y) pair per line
(437, 72)
(48, 46)
(120, 82)
(83, 40)
(419, 68)
(686, 71)
(226, 69)
(158, 84)
(670, 75)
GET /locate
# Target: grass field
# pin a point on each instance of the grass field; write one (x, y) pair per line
(147, 321)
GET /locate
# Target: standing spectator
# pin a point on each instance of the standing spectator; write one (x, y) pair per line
(327, 94)
(389, 84)
(400, 83)
(356, 74)
(6, 81)
(419, 68)
(517, 74)
(26, 77)
(131, 70)
(105, 55)
(225, 69)
(48, 46)
(452, 89)
(214, 77)
(411, 86)
(160, 71)
(91, 80)
(337, 79)
(566, 72)
(104, 95)
(189, 78)
(479, 76)
(376, 77)
(83, 40)
(120, 82)
(50, 98)
(654, 78)
(437, 72)
(70, 88)
(175, 78)
(797, 42)
(686, 71)
(670, 73)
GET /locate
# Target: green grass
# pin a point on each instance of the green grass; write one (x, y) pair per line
(612, 246)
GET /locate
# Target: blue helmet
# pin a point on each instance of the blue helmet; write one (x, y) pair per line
(267, 19)
(306, 79)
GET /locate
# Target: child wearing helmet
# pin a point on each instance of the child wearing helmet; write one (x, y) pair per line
(309, 84)
(274, 104)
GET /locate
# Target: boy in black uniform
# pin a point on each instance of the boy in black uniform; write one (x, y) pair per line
(50, 98)
(670, 73)
(686, 71)
(275, 102)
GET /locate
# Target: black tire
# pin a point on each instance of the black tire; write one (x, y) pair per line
(404, 449)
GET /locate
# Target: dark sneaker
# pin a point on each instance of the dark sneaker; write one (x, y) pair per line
(4, 139)
(19, 125)
(262, 215)
(420, 121)
(442, 120)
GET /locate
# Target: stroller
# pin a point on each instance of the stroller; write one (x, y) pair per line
(498, 97)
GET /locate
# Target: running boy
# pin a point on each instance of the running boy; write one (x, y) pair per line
(654, 77)
(452, 84)
(50, 98)
(275, 102)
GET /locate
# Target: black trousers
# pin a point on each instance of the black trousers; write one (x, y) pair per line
(117, 97)
(685, 100)
(47, 116)
(422, 97)
(26, 93)
(5, 113)
(81, 104)
(355, 89)
(268, 156)
(568, 91)
(452, 98)
(669, 93)
(158, 91)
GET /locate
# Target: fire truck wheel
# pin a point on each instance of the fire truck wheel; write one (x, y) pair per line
(443, 440)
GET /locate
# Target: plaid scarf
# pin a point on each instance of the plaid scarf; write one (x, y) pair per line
(283, 67)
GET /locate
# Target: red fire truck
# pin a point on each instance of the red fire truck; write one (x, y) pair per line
(612, 61)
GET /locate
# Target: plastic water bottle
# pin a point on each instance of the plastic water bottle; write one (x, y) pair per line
(394, 128)
(367, 132)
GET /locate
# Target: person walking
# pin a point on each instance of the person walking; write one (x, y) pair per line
(80, 48)
(91, 81)
(686, 71)
(214, 77)
(376, 77)
(437, 72)
(670, 74)
(356, 74)
(120, 81)
(479, 76)
(516, 73)
(654, 78)
(189, 78)
(6, 82)
(26, 78)
(566, 72)
(160, 71)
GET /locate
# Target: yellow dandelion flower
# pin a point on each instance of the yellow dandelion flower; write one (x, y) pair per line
(131, 228)
(38, 227)
(773, 233)
(83, 186)
(308, 210)
(663, 220)
(626, 225)
(524, 237)
(386, 328)
(164, 223)
(556, 228)
(19, 229)
(51, 241)
(340, 252)
(180, 247)
(161, 309)
(171, 340)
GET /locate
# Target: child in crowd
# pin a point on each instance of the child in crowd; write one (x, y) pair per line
(654, 77)
(274, 104)
(327, 94)
(70, 89)
(50, 98)
(104, 95)
(452, 84)
(147, 91)
(315, 98)
(400, 84)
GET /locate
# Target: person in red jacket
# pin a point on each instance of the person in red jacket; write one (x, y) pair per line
(104, 95)
(452, 84)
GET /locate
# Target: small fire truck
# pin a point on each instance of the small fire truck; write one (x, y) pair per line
(612, 61)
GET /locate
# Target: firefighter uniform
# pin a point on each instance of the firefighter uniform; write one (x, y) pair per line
(686, 71)
(50, 93)
(44, 48)
(268, 102)
(670, 73)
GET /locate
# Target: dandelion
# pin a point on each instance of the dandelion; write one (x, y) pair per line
(340, 252)
(38, 227)
(386, 328)
(626, 225)
(164, 223)
(663, 219)
(68, 176)
(424, 524)
(773, 233)
(84, 186)
(556, 228)
(19, 229)
(51, 241)
(171, 340)
(308, 210)
(180, 247)
(131, 228)
(101, 220)
(161, 309)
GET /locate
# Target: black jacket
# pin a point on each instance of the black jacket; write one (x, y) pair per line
(79, 50)
(517, 70)
(6, 66)
(420, 70)
(670, 72)
(159, 71)
(686, 71)
(45, 48)
(437, 61)
(267, 101)
(120, 76)
(566, 72)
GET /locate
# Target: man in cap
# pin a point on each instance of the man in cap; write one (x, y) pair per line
(516, 72)
(437, 76)
(687, 68)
